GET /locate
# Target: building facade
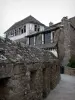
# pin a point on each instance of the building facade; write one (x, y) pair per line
(59, 37)
(27, 26)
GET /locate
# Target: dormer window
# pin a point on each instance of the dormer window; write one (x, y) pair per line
(24, 29)
(19, 30)
(15, 32)
(37, 28)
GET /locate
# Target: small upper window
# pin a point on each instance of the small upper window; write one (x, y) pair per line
(15, 33)
(37, 28)
(24, 29)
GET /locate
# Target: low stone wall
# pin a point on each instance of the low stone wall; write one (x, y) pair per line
(70, 71)
(55, 75)
(27, 73)
(32, 81)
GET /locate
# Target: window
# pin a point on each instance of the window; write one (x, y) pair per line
(47, 37)
(19, 30)
(37, 28)
(24, 29)
(15, 33)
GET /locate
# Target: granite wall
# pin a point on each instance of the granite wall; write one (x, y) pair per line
(27, 73)
(30, 81)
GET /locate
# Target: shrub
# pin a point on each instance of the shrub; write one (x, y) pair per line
(71, 62)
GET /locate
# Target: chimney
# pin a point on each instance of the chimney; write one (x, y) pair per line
(50, 24)
(64, 18)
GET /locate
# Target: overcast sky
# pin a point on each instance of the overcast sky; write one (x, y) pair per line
(45, 11)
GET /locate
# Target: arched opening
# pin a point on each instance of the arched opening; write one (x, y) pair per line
(4, 91)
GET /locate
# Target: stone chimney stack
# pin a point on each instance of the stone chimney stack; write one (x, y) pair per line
(65, 18)
(51, 23)
(66, 41)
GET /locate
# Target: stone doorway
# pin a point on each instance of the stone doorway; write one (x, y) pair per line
(4, 89)
(33, 80)
(62, 69)
(44, 82)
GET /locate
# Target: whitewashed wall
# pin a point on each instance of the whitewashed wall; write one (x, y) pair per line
(18, 37)
(29, 30)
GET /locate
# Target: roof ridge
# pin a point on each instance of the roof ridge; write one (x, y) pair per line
(29, 19)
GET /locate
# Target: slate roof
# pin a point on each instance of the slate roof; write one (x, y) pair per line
(29, 19)
(54, 27)
(47, 29)
(19, 53)
(72, 21)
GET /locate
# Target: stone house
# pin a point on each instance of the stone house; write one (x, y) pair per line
(58, 37)
(27, 26)
(26, 73)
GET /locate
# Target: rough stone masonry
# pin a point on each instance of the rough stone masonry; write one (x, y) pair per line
(26, 73)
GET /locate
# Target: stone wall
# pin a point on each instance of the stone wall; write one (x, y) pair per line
(27, 73)
(6, 70)
(65, 38)
(72, 36)
(69, 71)
(31, 81)
(64, 43)
(55, 75)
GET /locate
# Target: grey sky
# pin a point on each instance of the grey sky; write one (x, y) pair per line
(45, 11)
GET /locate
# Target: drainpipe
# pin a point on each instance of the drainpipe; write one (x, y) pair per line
(34, 40)
(42, 38)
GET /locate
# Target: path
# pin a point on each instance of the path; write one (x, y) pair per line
(65, 90)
